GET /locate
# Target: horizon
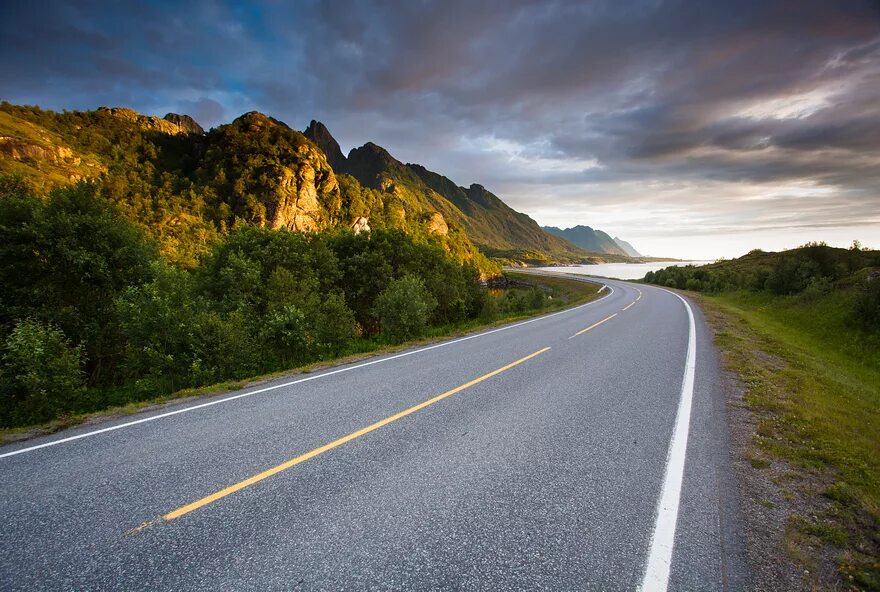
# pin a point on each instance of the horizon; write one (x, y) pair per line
(693, 132)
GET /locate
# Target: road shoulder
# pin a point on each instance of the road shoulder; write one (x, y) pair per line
(798, 536)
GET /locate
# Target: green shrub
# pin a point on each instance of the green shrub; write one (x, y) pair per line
(490, 310)
(404, 307)
(537, 299)
(64, 259)
(693, 284)
(286, 334)
(41, 375)
(867, 305)
(335, 325)
(792, 274)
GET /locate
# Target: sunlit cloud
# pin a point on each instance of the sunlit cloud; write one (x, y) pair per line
(795, 106)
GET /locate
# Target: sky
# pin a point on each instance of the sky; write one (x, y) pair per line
(691, 128)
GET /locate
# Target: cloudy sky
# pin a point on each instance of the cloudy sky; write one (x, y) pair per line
(692, 128)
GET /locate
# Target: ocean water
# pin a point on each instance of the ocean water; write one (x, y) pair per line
(621, 271)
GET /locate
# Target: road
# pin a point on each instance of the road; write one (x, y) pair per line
(530, 457)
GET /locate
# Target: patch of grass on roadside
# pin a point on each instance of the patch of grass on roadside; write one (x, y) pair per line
(813, 383)
(571, 290)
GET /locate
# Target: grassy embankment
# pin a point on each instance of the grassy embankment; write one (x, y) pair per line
(812, 380)
(557, 293)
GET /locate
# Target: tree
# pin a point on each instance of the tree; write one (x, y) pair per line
(41, 374)
(63, 260)
(404, 307)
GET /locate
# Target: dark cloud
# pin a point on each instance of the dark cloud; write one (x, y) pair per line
(562, 104)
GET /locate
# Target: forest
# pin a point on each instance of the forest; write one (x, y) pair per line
(93, 315)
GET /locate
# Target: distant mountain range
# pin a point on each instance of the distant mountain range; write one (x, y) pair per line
(184, 184)
(594, 240)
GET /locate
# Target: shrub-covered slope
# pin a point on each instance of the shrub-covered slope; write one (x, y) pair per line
(186, 188)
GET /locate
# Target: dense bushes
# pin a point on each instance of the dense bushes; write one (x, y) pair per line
(810, 272)
(63, 260)
(87, 300)
(41, 373)
(404, 307)
(867, 308)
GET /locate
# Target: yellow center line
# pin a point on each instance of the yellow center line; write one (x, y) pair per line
(338, 442)
(593, 326)
(628, 305)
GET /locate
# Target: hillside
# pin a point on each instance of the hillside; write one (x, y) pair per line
(814, 266)
(802, 330)
(186, 187)
(590, 239)
(497, 229)
(627, 248)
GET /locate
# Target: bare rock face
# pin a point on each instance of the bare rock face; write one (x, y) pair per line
(185, 124)
(437, 224)
(296, 205)
(178, 124)
(19, 150)
(360, 224)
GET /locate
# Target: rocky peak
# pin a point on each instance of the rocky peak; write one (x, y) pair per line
(482, 196)
(254, 121)
(370, 165)
(185, 123)
(155, 124)
(318, 133)
(370, 151)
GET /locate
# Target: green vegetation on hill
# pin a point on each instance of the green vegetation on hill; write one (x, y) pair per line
(496, 228)
(140, 256)
(802, 328)
(186, 190)
(75, 271)
(92, 315)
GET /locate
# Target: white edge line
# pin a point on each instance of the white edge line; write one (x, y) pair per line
(298, 381)
(656, 576)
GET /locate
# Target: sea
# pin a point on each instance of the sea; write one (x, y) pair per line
(620, 271)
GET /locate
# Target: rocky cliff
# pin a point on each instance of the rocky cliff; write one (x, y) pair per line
(286, 181)
(185, 124)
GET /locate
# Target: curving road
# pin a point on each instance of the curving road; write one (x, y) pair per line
(533, 456)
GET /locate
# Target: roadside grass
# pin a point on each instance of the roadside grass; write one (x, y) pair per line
(114, 402)
(812, 380)
(569, 289)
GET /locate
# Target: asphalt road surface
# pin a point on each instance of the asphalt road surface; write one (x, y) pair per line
(544, 455)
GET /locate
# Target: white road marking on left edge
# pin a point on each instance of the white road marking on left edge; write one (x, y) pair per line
(656, 577)
(299, 381)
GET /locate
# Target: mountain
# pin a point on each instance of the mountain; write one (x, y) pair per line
(187, 187)
(497, 229)
(591, 240)
(493, 225)
(627, 248)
